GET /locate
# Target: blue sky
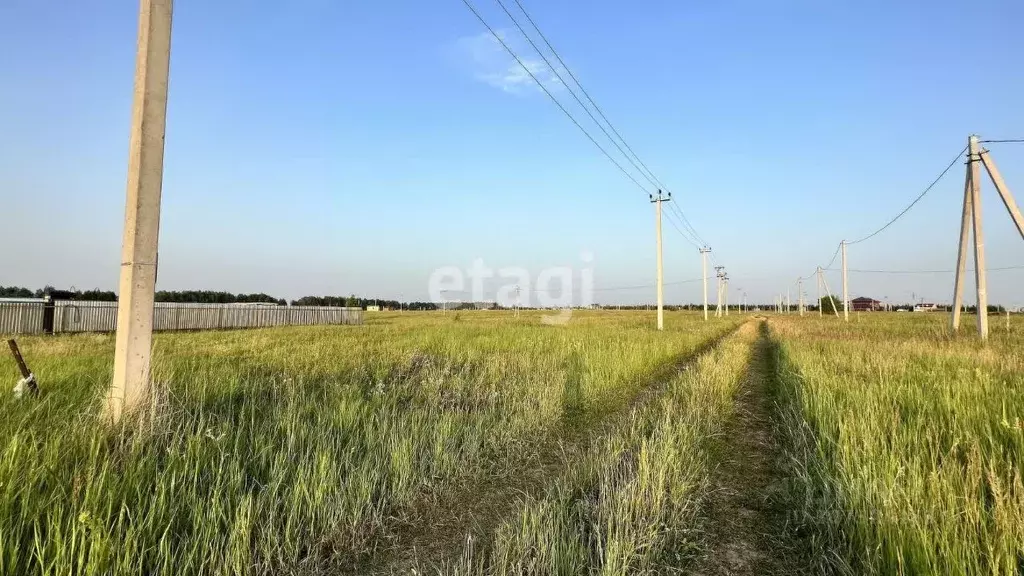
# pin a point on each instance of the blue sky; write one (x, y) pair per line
(354, 147)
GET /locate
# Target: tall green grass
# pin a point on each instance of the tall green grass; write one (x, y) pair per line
(630, 502)
(906, 444)
(296, 449)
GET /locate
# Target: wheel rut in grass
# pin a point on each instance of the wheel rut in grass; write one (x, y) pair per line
(442, 529)
(746, 508)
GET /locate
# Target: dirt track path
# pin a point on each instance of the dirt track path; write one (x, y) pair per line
(442, 529)
(746, 517)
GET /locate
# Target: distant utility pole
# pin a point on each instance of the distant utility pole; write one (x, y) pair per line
(725, 291)
(657, 200)
(704, 266)
(846, 289)
(515, 307)
(828, 291)
(719, 274)
(789, 305)
(817, 281)
(971, 217)
(137, 286)
(800, 295)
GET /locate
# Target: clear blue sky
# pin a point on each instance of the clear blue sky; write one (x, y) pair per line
(352, 147)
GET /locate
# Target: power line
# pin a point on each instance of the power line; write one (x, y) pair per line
(554, 70)
(692, 241)
(926, 271)
(550, 95)
(639, 164)
(1009, 141)
(916, 200)
(649, 285)
(833, 259)
(584, 91)
(608, 289)
(686, 222)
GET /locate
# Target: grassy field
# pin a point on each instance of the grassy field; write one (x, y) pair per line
(299, 449)
(482, 443)
(906, 443)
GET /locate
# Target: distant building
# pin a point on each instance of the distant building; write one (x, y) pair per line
(864, 304)
(373, 308)
(926, 307)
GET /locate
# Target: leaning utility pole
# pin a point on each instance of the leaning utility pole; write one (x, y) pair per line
(846, 292)
(661, 289)
(828, 291)
(133, 342)
(1004, 191)
(704, 266)
(971, 216)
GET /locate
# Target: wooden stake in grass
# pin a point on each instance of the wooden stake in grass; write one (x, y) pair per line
(28, 379)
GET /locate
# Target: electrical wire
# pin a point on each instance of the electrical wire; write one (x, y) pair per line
(916, 200)
(1008, 141)
(687, 224)
(681, 233)
(551, 96)
(584, 91)
(558, 75)
(833, 259)
(998, 269)
(639, 164)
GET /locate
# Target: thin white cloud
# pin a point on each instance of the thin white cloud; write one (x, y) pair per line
(493, 65)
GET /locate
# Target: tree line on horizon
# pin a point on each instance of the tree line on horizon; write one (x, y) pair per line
(353, 301)
(212, 297)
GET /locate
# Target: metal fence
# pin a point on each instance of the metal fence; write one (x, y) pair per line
(27, 316)
(22, 316)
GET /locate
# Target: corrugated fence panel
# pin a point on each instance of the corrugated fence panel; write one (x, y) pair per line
(102, 316)
(21, 317)
(84, 316)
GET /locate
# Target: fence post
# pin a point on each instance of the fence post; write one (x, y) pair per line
(48, 311)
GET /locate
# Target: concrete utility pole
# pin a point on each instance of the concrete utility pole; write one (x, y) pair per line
(719, 274)
(846, 292)
(133, 342)
(1004, 192)
(961, 256)
(828, 292)
(818, 286)
(704, 266)
(972, 213)
(725, 291)
(979, 240)
(800, 295)
(661, 289)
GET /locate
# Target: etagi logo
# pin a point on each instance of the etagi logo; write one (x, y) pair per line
(553, 287)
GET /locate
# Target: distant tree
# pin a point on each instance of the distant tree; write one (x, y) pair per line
(211, 297)
(15, 292)
(97, 295)
(830, 304)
